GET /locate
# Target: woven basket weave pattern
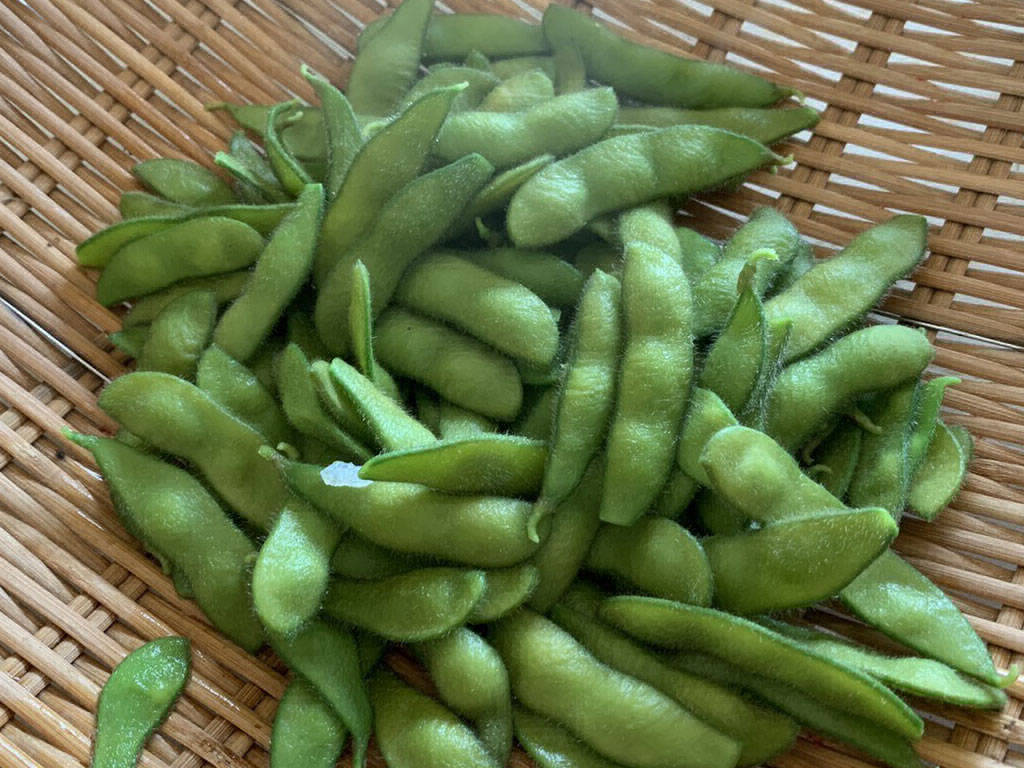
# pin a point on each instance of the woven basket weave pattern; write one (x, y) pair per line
(922, 113)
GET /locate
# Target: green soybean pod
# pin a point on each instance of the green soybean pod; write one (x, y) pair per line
(287, 167)
(237, 389)
(387, 63)
(519, 93)
(736, 358)
(179, 418)
(290, 575)
(414, 731)
(616, 715)
(574, 525)
(254, 179)
(472, 680)
(550, 745)
(252, 117)
(388, 161)
(326, 655)
(130, 340)
(307, 733)
(263, 218)
(651, 224)
(558, 126)
(409, 224)
(599, 255)
(653, 382)
(587, 391)
(759, 477)
(654, 76)
(798, 561)
(455, 423)
(870, 737)
(657, 556)
(482, 531)
(338, 405)
(882, 476)
(494, 465)
(100, 248)
(192, 248)
(516, 65)
(767, 126)
(761, 731)
(179, 334)
(801, 264)
(136, 205)
(809, 392)
(224, 288)
(507, 589)
(677, 495)
(136, 698)
(706, 416)
(699, 253)
(926, 417)
(496, 193)
(920, 677)
(937, 480)
(869, 265)
(360, 321)
(182, 181)
(456, 366)
(344, 138)
(410, 607)
(358, 558)
(495, 35)
(388, 422)
(837, 457)
(749, 647)
(180, 522)
(280, 272)
(552, 278)
(626, 171)
(304, 410)
(715, 295)
(500, 312)
(476, 84)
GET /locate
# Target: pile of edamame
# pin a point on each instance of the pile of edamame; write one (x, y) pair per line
(433, 364)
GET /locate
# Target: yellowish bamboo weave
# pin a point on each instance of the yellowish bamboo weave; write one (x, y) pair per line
(922, 113)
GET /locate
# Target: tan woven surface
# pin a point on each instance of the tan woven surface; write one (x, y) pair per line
(922, 113)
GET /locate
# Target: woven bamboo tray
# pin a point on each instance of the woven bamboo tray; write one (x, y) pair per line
(922, 113)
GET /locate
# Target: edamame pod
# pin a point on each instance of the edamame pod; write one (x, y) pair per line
(654, 76)
(587, 392)
(179, 334)
(136, 698)
(280, 272)
(287, 166)
(519, 93)
(767, 126)
(225, 288)
(494, 197)
(507, 589)
(255, 181)
(482, 531)
(181, 419)
(180, 522)
(926, 417)
(836, 459)
(798, 561)
(414, 731)
(410, 607)
(657, 556)
(100, 248)
(706, 416)
(237, 389)
(762, 732)
(459, 368)
(941, 473)
(388, 161)
(327, 656)
(618, 716)
(307, 733)
(471, 679)
(455, 36)
(867, 267)
(499, 312)
(809, 392)
(555, 280)
(411, 222)
(476, 84)
(193, 248)
(626, 171)
(344, 139)
(550, 745)
(747, 645)
(455, 423)
(558, 126)
(496, 465)
(358, 558)
(136, 205)
(291, 572)
(386, 64)
(182, 181)
(653, 382)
